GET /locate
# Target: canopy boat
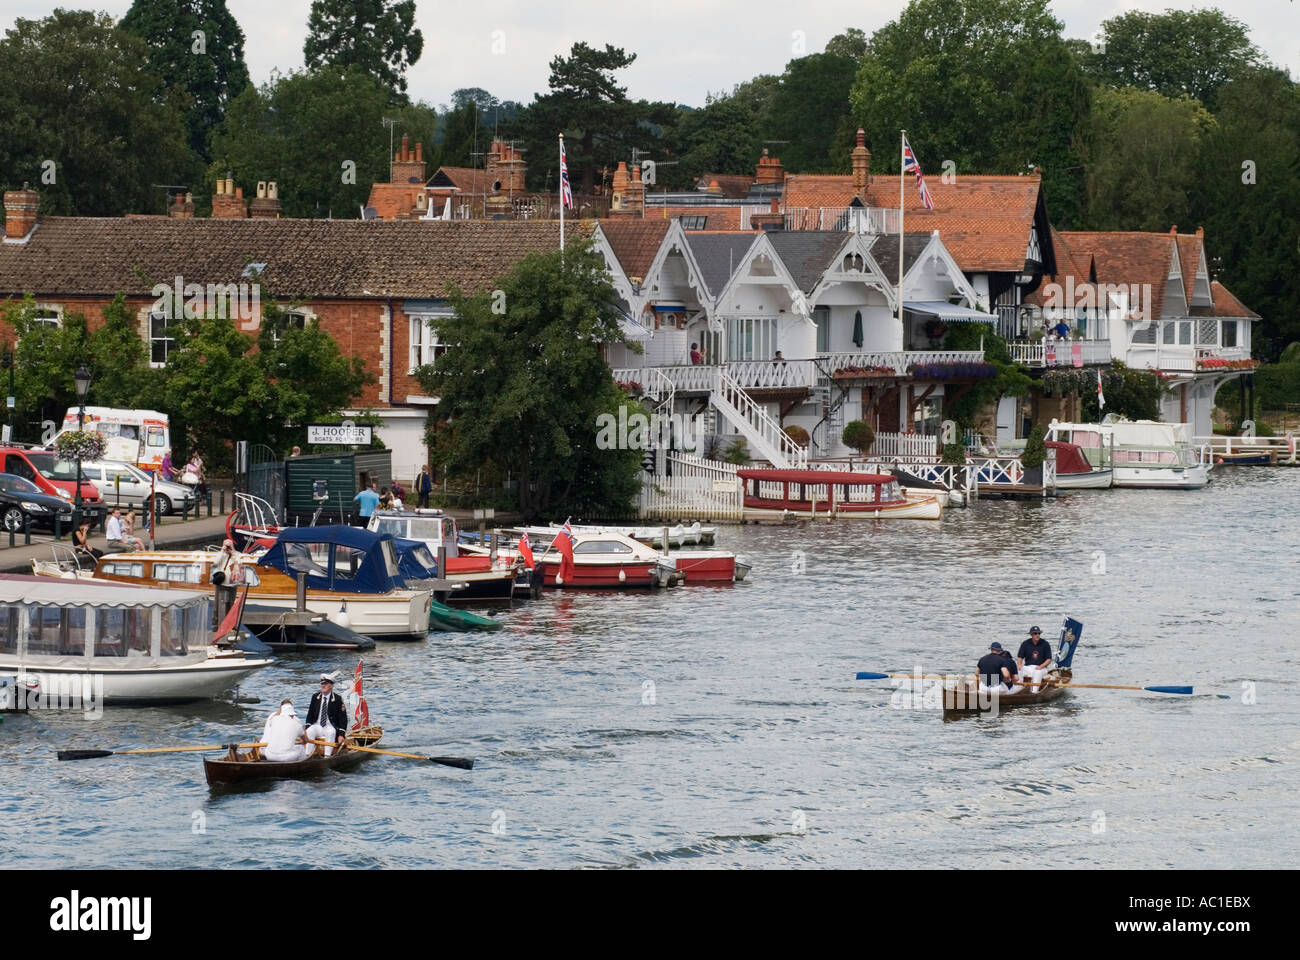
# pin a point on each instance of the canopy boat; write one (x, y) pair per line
(87, 641)
(1074, 472)
(784, 493)
(1144, 453)
(240, 767)
(484, 578)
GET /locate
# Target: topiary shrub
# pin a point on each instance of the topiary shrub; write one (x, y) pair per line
(953, 453)
(798, 434)
(1035, 449)
(737, 452)
(858, 435)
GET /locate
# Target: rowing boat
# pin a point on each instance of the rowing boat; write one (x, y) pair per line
(236, 767)
(965, 698)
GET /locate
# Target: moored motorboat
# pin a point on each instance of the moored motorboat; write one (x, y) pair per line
(1074, 472)
(483, 577)
(781, 494)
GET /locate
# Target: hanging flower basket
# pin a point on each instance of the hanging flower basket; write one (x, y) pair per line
(861, 373)
(80, 445)
(952, 371)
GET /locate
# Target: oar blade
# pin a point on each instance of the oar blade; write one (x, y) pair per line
(457, 762)
(1183, 690)
(864, 675)
(84, 754)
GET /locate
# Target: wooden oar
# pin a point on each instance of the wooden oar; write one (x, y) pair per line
(445, 761)
(864, 675)
(93, 754)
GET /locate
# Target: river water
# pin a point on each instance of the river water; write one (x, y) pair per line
(723, 727)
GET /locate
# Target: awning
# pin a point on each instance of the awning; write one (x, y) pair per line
(631, 329)
(948, 313)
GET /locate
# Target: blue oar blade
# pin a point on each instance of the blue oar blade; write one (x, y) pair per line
(863, 675)
(1185, 690)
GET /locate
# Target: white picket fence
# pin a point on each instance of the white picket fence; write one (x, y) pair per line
(904, 445)
(698, 489)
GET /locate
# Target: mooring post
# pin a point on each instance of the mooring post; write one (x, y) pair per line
(442, 560)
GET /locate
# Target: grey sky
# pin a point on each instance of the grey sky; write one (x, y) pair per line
(685, 48)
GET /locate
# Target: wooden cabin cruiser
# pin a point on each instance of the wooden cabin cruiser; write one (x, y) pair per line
(780, 494)
(693, 566)
(88, 640)
(485, 577)
(1144, 453)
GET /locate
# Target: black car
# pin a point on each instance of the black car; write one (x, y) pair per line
(20, 499)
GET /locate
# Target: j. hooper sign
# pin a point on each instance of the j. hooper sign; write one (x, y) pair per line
(343, 433)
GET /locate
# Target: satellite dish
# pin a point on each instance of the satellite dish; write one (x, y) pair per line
(369, 213)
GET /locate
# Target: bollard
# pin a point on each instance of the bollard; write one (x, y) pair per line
(442, 560)
(208, 497)
(58, 526)
(185, 511)
(221, 503)
(27, 529)
(11, 537)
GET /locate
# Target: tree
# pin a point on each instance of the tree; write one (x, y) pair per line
(988, 84)
(1141, 159)
(858, 435)
(376, 37)
(83, 122)
(523, 390)
(319, 135)
(1246, 193)
(45, 358)
(721, 137)
(119, 360)
(851, 43)
(1175, 53)
(811, 111)
(195, 46)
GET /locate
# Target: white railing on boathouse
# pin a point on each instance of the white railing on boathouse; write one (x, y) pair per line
(698, 489)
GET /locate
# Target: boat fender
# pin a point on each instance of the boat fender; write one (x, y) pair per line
(559, 580)
(622, 576)
(341, 618)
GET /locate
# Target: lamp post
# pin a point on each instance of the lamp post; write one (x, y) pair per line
(82, 379)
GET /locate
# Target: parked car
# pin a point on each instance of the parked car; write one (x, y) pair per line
(126, 484)
(55, 477)
(21, 499)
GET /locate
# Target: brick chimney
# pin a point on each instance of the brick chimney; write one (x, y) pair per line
(183, 208)
(228, 201)
(506, 166)
(634, 199)
(20, 212)
(618, 188)
(769, 169)
(774, 219)
(266, 205)
(861, 167)
(408, 164)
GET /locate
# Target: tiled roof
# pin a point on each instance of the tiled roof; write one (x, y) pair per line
(719, 218)
(635, 242)
(735, 186)
(92, 256)
(885, 252)
(468, 179)
(1227, 305)
(984, 221)
(807, 253)
(1128, 258)
(718, 255)
(1189, 256)
(1069, 263)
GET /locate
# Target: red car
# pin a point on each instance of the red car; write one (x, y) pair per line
(55, 477)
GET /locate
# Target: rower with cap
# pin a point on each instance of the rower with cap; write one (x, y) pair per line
(1034, 657)
(283, 736)
(996, 671)
(327, 718)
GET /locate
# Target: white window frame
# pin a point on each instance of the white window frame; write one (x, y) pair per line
(299, 316)
(55, 321)
(425, 347)
(150, 316)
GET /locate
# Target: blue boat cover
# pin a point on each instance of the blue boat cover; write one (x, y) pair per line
(414, 559)
(354, 560)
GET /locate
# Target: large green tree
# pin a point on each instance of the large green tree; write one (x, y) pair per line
(84, 122)
(988, 84)
(320, 135)
(811, 112)
(1247, 196)
(1191, 52)
(376, 37)
(526, 382)
(195, 46)
(1141, 159)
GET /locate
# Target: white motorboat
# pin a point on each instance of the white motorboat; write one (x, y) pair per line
(75, 643)
(1141, 453)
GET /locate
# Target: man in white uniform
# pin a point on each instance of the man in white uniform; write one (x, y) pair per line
(282, 735)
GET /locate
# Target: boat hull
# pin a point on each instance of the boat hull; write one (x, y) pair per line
(965, 700)
(639, 574)
(226, 772)
(1092, 480)
(915, 508)
(705, 566)
(1175, 478)
(205, 680)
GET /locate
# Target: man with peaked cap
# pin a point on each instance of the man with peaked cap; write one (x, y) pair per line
(327, 717)
(1034, 658)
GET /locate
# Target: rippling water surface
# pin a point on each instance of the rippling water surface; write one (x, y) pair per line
(722, 727)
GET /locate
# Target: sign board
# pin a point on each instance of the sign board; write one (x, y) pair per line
(725, 486)
(320, 489)
(9, 402)
(340, 433)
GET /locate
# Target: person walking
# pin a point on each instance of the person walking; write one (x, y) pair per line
(424, 487)
(167, 469)
(368, 500)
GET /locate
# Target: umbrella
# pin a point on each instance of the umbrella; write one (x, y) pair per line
(857, 329)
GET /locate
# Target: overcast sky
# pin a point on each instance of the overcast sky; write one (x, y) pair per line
(685, 48)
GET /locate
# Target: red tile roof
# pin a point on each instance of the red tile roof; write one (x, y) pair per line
(1227, 305)
(635, 242)
(1129, 258)
(468, 179)
(719, 218)
(735, 186)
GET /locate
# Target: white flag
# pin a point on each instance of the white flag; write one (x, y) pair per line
(1101, 397)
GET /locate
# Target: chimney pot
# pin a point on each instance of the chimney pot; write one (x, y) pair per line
(261, 189)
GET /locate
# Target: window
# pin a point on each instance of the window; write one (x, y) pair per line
(122, 633)
(121, 568)
(1229, 333)
(392, 525)
(425, 346)
(307, 558)
(56, 631)
(347, 562)
(822, 317)
(155, 437)
(751, 338)
(173, 632)
(19, 467)
(293, 318)
(9, 630)
(161, 342)
(602, 546)
(694, 223)
(178, 572)
(47, 317)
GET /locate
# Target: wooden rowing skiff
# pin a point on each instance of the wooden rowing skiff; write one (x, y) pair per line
(964, 699)
(238, 767)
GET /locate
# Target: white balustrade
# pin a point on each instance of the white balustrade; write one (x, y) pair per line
(898, 360)
(904, 445)
(698, 489)
(754, 422)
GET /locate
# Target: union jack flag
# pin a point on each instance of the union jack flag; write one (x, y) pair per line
(911, 166)
(566, 192)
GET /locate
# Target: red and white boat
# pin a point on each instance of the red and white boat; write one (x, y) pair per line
(780, 494)
(606, 559)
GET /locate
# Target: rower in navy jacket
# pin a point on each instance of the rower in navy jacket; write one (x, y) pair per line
(997, 671)
(1034, 656)
(330, 723)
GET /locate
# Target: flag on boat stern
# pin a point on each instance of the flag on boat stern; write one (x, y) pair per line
(566, 192)
(911, 166)
(526, 549)
(1101, 397)
(231, 620)
(564, 544)
(357, 703)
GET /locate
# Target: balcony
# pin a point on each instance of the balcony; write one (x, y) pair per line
(876, 364)
(790, 375)
(1059, 353)
(875, 220)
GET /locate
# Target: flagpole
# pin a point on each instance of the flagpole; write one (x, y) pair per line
(561, 196)
(902, 163)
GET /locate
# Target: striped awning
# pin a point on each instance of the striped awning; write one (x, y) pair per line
(948, 312)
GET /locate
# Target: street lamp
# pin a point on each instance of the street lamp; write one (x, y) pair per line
(82, 379)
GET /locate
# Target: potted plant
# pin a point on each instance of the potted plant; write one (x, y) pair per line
(858, 435)
(1033, 456)
(798, 434)
(954, 452)
(80, 445)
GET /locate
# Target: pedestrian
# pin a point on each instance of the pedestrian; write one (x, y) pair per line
(128, 529)
(296, 452)
(115, 532)
(368, 500)
(167, 470)
(81, 543)
(697, 355)
(424, 487)
(195, 469)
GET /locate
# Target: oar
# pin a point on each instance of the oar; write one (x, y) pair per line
(1103, 686)
(93, 754)
(445, 761)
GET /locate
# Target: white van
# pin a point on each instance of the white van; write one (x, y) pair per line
(136, 436)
